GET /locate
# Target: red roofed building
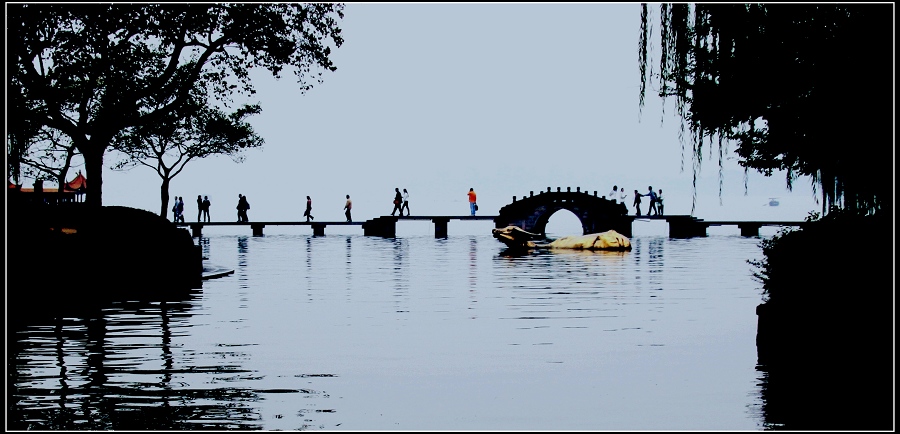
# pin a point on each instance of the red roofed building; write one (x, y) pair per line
(79, 184)
(73, 191)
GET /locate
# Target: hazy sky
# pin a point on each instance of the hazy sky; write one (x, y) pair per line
(438, 98)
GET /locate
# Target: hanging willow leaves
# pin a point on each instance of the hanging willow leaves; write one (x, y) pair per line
(802, 88)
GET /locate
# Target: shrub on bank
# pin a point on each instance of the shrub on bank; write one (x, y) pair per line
(825, 335)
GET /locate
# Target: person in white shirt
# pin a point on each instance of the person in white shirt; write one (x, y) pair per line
(405, 203)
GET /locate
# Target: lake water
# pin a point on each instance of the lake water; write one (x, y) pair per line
(348, 332)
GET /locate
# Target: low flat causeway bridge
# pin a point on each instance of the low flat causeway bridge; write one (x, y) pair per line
(531, 213)
(383, 226)
(680, 226)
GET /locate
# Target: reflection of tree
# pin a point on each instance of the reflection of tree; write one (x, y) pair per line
(830, 396)
(114, 390)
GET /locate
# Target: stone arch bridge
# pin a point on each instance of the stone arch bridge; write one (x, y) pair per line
(597, 214)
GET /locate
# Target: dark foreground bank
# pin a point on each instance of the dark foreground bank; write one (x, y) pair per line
(829, 309)
(71, 256)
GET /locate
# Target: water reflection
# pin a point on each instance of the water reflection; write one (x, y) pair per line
(348, 269)
(575, 339)
(203, 242)
(242, 245)
(649, 256)
(473, 277)
(113, 368)
(399, 271)
(309, 268)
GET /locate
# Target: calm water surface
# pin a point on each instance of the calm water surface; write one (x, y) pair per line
(347, 332)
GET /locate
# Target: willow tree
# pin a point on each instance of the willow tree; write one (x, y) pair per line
(94, 71)
(801, 88)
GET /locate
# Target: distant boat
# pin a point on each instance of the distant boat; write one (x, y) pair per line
(773, 201)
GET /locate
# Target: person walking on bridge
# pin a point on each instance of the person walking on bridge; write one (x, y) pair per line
(242, 207)
(398, 201)
(652, 207)
(637, 203)
(659, 202)
(308, 212)
(347, 207)
(199, 207)
(473, 205)
(180, 208)
(405, 203)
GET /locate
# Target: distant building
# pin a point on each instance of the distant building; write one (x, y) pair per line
(73, 192)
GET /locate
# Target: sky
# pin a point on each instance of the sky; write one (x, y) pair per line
(440, 98)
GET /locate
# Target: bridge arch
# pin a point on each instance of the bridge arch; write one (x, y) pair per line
(563, 222)
(596, 214)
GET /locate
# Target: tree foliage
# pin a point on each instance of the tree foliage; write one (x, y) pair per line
(94, 71)
(196, 130)
(803, 88)
(46, 155)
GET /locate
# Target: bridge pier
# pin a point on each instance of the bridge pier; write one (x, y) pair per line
(384, 226)
(686, 227)
(196, 230)
(749, 229)
(257, 229)
(440, 227)
(622, 225)
(318, 229)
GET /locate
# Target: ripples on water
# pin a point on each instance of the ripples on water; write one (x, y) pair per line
(347, 332)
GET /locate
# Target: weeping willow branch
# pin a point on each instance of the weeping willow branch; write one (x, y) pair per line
(791, 85)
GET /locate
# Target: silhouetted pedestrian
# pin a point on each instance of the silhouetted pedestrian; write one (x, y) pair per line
(206, 204)
(180, 209)
(308, 212)
(405, 203)
(199, 207)
(242, 207)
(614, 194)
(347, 207)
(652, 207)
(637, 203)
(398, 201)
(659, 202)
(473, 204)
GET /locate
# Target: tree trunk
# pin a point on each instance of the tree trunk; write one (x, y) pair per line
(164, 197)
(93, 168)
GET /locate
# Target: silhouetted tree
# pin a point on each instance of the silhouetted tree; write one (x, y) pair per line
(193, 131)
(47, 155)
(94, 71)
(21, 133)
(805, 88)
